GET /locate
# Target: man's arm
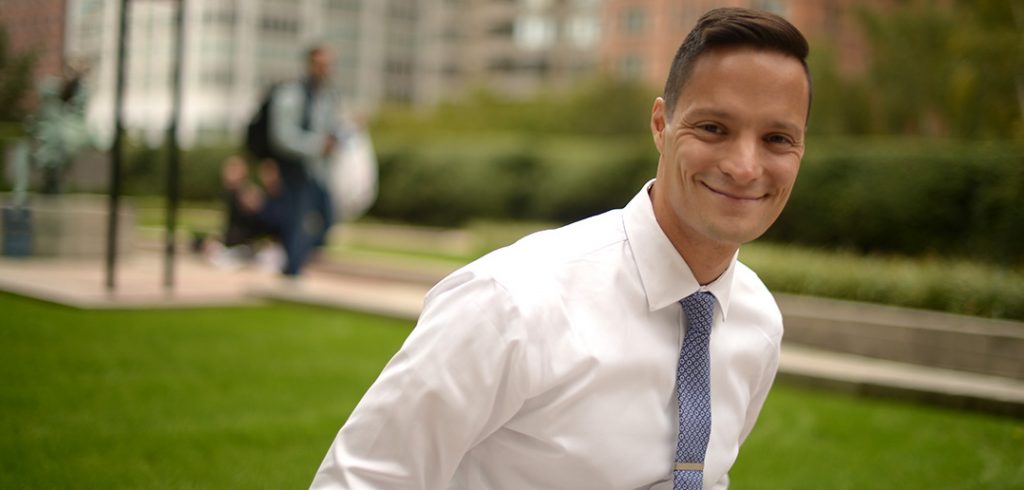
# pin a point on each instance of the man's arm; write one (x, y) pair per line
(456, 380)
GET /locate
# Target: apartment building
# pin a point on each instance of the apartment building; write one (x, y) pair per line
(517, 47)
(640, 37)
(36, 26)
(234, 50)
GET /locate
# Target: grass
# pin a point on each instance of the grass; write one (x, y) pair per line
(812, 440)
(252, 398)
(208, 398)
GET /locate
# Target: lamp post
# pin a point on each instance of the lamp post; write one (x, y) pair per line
(115, 151)
(173, 151)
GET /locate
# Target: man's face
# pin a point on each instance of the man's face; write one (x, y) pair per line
(320, 65)
(731, 150)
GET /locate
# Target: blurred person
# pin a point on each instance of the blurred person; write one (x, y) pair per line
(304, 135)
(627, 350)
(253, 217)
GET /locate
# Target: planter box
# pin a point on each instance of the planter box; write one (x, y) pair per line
(16, 230)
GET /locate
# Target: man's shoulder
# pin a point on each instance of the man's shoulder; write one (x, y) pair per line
(287, 91)
(545, 259)
(557, 248)
(750, 293)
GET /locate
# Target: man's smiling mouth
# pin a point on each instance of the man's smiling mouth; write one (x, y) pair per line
(734, 196)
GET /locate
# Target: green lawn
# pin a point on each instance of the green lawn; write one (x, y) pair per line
(252, 397)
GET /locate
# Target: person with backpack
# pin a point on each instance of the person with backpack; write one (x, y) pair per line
(297, 127)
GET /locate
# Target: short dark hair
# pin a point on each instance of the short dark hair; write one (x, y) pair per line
(314, 50)
(732, 26)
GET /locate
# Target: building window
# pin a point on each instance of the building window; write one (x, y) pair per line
(535, 32)
(505, 65)
(774, 6)
(502, 29)
(280, 25)
(631, 67)
(584, 31)
(346, 5)
(634, 20)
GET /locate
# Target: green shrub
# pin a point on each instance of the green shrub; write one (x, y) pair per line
(450, 180)
(915, 198)
(951, 285)
(144, 171)
(903, 197)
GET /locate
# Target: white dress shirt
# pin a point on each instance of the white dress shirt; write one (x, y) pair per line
(551, 364)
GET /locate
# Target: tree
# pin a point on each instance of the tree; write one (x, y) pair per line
(948, 70)
(15, 80)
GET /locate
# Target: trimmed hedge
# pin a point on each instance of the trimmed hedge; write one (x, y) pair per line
(903, 197)
(450, 180)
(908, 197)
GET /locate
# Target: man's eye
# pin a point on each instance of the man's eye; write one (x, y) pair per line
(711, 128)
(779, 139)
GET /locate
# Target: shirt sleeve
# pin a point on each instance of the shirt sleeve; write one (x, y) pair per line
(286, 133)
(455, 380)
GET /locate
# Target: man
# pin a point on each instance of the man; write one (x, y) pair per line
(304, 134)
(578, 358)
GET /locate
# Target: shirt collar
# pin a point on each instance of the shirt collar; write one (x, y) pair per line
(665, 276)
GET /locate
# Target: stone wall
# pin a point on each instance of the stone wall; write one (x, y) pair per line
(74, 225)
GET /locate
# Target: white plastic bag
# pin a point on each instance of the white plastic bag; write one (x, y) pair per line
(352, 177)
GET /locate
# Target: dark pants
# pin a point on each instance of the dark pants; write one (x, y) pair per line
(307, 217)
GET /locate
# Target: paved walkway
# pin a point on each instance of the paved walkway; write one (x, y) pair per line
(398, 291)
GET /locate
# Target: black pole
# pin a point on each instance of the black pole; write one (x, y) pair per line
(115, 150)
(173, 152)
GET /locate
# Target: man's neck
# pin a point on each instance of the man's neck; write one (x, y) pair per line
(706, 258)
(707, 261)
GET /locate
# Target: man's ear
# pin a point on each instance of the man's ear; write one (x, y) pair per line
(658, 123)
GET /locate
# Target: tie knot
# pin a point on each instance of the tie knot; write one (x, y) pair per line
(700, 309)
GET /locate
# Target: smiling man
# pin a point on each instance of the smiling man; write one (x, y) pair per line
(628, 350)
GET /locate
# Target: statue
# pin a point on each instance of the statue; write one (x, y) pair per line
(57, 132)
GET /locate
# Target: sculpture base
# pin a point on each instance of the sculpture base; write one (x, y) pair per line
(64, 225)
(17, 231)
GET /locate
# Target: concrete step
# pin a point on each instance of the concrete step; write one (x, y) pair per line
(879, 377)
(912, 336)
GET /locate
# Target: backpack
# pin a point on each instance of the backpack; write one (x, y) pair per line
(257, 133)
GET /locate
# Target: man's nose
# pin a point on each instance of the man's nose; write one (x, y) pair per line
(741, 163)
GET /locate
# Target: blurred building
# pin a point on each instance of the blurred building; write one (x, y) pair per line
(518, 47)
(639, 37)
(410, 52)
(413, 52)
(36, 26)
(234, 50)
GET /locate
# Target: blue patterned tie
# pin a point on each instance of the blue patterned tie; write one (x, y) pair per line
(693, 389)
